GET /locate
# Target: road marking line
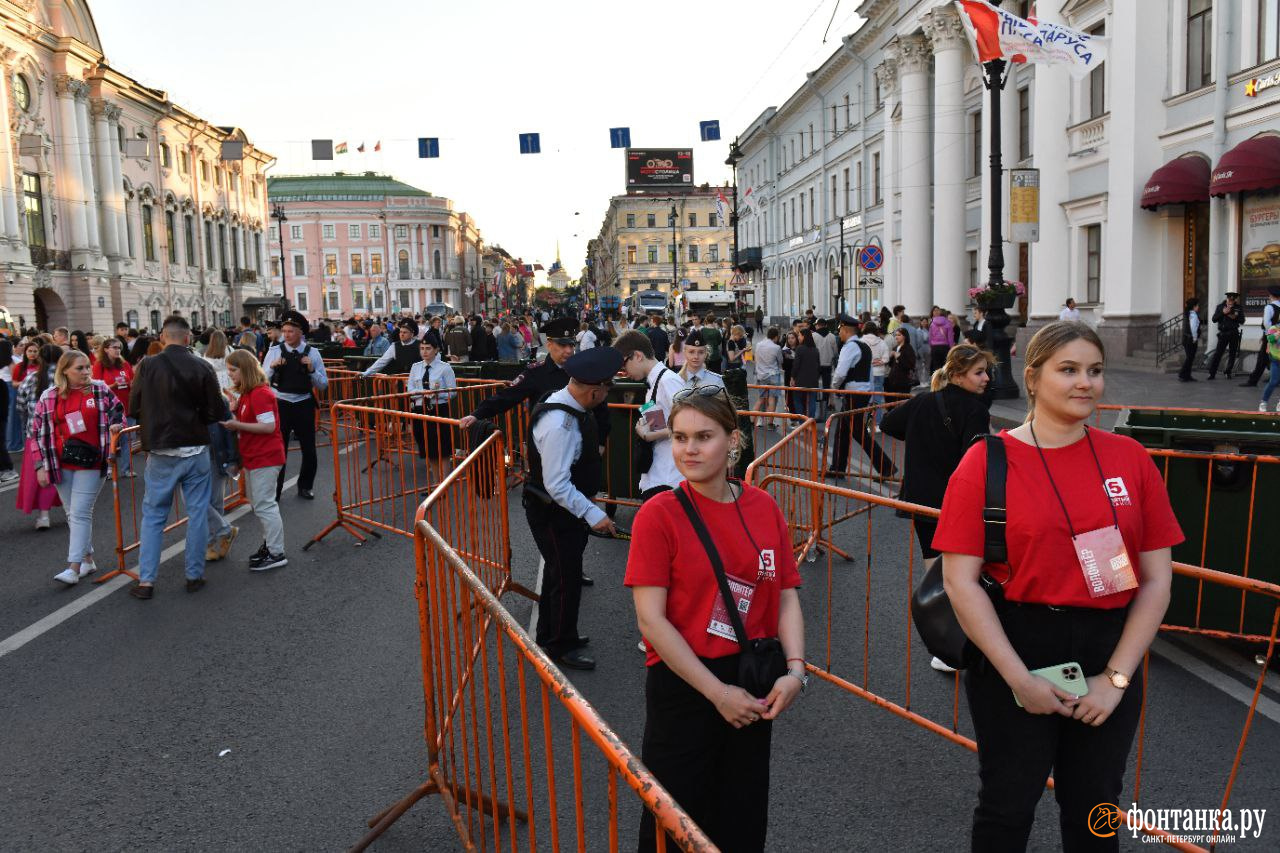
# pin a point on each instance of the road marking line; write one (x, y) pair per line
(537, 587)
(84, 602)
(1268, 708)
(1245, 667)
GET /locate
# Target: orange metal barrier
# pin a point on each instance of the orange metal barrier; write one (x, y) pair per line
(842, 655)
(497, 708)
(795, 455)
(126, 494)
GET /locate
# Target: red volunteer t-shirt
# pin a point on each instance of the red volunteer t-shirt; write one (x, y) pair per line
(1043, 558)
(259, 450)
(666, 552)
(83, 404)
(118, 379)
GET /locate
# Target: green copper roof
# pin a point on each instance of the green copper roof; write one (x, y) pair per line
(338, 187)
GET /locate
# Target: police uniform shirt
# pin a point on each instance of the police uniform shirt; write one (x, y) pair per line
(663, 471)
(850, 355)
(439, 376)
(559, 443)
(387, 357)
(702, 377)
(319, 379)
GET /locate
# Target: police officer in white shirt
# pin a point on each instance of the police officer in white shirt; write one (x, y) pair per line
(853, 373)
(695, 373)
(661, 384)
(430, 383)
(295, 369)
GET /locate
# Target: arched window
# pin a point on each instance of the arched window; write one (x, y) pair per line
(131, 317)
(403, 260)
(155, 322)
(436, 262)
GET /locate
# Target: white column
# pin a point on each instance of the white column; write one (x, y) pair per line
(84, 148)
(1053, 269)
(950, 261)
(73, 183)
(104, 148)
(887, 75)
(118, 219)
(12, 225)
(916, 176)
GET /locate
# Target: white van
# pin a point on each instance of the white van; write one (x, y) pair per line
(439, 309)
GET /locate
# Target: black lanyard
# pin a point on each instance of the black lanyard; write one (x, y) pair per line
(741, 520)
(1114, 518)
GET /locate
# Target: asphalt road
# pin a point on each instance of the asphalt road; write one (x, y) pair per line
(279, 711)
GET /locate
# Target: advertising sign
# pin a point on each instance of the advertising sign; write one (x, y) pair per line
(1259, 249)
(1024, 205)
(659, 168)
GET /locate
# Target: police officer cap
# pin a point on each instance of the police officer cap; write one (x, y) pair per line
(293, 318)
(694, 339)
(560, 330)
(410, 324)
(846, 320)
(595, 365)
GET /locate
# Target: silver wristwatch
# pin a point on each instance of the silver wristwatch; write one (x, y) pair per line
(801, 676)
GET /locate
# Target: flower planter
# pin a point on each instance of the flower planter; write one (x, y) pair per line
(997, 300)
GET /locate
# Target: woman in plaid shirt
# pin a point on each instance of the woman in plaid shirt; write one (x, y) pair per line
(72, 426)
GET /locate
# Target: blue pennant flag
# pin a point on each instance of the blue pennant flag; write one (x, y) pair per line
(710, 130)
(428, 146)
(530, 143)
(619, 137)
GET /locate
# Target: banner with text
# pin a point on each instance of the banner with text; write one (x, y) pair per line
(996, 33)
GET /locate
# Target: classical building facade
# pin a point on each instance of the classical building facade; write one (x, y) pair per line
(634, 248)
(887, 143)
(116, 203)
(368, 244)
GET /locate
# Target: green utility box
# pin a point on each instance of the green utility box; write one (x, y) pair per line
(1226, 508)
(621, 478)
(503, 370)
(358, 363)
(467, 370)
(331, 350)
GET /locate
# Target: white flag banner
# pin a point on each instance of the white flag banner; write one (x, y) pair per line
(998, 34)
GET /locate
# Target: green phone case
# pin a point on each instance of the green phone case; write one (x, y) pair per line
(1067, 676)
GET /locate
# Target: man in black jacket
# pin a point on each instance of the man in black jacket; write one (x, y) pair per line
(175, 397)
(1229, 315)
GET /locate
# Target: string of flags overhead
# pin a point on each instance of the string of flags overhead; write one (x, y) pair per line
(530, 143)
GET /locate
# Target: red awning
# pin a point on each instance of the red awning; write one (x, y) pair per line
(1252, 165)
(1181, 181)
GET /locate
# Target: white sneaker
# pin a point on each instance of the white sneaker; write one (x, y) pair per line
(87, 567)
(69, 576)
(8, 476)
(1262, 406)
(937, 664)
(42, 521)
(641, 646)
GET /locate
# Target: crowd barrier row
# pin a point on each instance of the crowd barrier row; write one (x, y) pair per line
(515, 753)
(869, 609)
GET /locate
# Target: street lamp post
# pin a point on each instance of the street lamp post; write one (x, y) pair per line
(278, 214)
(735, 157)
(1002, 385)
(675, 250)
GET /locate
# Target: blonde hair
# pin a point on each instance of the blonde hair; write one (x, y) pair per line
(251, 373)
(60, 381)
(217, 347)
(1048, 340)
(960, 360)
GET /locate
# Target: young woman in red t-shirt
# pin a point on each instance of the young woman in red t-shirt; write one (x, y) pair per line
(117, 374)
(706, 739)
(1075, 593)
(256, 420)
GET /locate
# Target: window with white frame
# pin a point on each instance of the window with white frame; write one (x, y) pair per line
(876, 197)
(274, 232)
(300, 265)
(713, 253)
(328, 232)
(1199, 44)
(330, 265)
(402, 232)
(357, 299)
(1268, 30)
(1024, 120)
(375, 230)
(975, 144)
(693, 253)
(375, 263)
(377, 299)
(1097, 81)
(353, 232)
(652, 256)
(275, 266)
(335, 301)
(300, 301)
(357, 264)
(1093, 263)
(295, 232)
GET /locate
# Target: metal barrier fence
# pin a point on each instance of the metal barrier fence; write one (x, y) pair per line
(851, 602)
(126, 494)
(497, 709)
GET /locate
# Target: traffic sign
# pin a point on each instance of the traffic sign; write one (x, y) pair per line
(738, 280)
(871, 258)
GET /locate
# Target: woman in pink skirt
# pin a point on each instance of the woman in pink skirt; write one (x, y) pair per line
(32, 497)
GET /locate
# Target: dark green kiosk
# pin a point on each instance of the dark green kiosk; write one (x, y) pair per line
(1226, 507)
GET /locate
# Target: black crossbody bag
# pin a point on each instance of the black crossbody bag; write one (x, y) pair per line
(761, 662)
(931, 610)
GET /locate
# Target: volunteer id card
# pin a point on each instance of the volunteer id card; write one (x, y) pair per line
(1104, 562)
(720, 625)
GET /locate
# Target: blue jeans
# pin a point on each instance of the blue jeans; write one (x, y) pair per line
(79, 492)
(218, 525)
(877, 384)
(126, 448)
(804, 403)
(165, 475)
(1272, 382)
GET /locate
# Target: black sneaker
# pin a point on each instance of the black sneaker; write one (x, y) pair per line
(259, 555)
(271, 561)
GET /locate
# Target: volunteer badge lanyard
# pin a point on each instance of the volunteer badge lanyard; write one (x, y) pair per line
(743, 591)
(1101, 553)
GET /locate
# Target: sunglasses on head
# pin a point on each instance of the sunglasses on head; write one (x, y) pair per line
(707, 390)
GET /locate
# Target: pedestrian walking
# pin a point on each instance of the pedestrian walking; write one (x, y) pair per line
(768, 362)
(1190, 337)
(853, 372)
(34, 496)
(759, 321)
(941, 338)
(1272, 343)
(26, 359)
(805, 368)
(1270, 314)
(901, 377)
(565, 471)
(706, 735)
(73, 423)
(871, 336)
(255, 421)
(1229, 317)
(295, 370)
(117, 374)
(1075, 595)
(174, 397)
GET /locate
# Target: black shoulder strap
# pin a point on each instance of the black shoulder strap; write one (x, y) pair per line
(942, 410)
(714, 556)
(653, 394)
(995, 549)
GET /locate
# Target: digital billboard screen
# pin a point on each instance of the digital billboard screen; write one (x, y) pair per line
(659, 168)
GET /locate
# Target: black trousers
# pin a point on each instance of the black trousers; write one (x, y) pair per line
(6, 463)
(1230, 343)
(718, 774)
(1261, 364)
(299, 419)
(434, 440)
(1018, 750)
(938, 356)
(1188, 356)
(854, 428)
(561, 539)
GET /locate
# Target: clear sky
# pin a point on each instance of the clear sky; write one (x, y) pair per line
(476, 74)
